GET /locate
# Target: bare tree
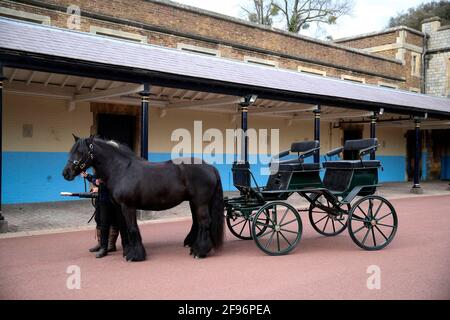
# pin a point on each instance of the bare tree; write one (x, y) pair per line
(299, 14)
(261, 12)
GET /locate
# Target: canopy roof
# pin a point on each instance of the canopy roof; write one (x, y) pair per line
(25, 44)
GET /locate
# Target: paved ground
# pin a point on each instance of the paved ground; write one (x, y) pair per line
(61, 215)
(415, 266)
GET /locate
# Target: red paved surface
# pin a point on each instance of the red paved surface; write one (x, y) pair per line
(415, 266)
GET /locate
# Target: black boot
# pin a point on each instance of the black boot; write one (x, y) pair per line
(104, 236)
(113, 235)
(98, 246)
(103, 252)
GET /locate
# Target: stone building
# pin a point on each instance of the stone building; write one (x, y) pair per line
(40, 112)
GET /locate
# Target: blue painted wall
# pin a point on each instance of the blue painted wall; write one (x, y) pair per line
(36, 176)
(445, 168)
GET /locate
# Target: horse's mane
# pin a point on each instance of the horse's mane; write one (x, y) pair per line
(121, 148)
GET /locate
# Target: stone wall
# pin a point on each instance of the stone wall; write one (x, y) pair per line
(438, 58)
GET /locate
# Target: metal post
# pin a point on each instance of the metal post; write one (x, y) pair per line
(3, 222)
(145, 96)
(244, 127)
(373, 132)
(417, 154)
(317, 113)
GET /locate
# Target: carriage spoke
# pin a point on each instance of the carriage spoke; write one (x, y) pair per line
(270, 240)
(278, 241)
(289, 222)
(381, 233)
(284, 216)
(334, 227)
(234, 225)
(326, 223)
(316, 222)
(370, 208)
(341, 222)
(263, 224)
(373, 236)
(265, 234)
(365, 237)
(378, 210)
(290, 244)
(362, 211)
(386, 225)
(242, 230)
(358, 218)
(384, 216)
(285, 230)
(356, 231)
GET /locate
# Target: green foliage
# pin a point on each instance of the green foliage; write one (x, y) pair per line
(413, 17)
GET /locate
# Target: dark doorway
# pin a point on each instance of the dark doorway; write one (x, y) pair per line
(121, 128)
(352, 134)
(410, 154)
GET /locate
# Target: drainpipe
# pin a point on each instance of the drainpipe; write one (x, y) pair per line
(423, 85)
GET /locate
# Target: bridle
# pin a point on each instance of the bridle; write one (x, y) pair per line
(82, 164)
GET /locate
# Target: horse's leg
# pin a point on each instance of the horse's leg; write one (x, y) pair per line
(122, 225)
(192, 235)
(203, 243)
(136, 251)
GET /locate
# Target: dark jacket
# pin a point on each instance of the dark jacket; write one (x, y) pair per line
(103, 194)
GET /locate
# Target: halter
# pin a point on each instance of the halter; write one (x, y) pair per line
(81, 164)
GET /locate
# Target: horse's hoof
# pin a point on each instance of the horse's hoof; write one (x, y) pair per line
(196, 257)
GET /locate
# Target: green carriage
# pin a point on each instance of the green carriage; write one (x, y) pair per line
(263, 214)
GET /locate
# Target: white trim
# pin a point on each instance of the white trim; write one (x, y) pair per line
(118, 34)
(312, 71)
(353, 78)
(196, 49)
(22, 15)
(264, 62)
(387, 85)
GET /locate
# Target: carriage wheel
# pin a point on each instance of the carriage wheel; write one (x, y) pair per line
(372, 223)
(241, 226)
(283, 228)
(325, 223)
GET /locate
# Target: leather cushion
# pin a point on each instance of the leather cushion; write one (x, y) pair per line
(352, 164)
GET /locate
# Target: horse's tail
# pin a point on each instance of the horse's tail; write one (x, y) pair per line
(216, 211)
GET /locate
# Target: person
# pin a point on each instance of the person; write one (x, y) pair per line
(105, 218)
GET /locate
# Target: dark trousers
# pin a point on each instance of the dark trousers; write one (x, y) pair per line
(106, 216)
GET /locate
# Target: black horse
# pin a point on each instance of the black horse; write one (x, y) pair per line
(138, 184)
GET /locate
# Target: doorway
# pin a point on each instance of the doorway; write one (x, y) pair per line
(121, 128)
(352, 134)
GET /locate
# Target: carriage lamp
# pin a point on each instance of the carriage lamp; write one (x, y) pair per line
(248, 100)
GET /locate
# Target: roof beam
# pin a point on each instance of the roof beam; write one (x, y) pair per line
(205, 103)
(278, 111)
(13, 75)
(49, 78)
(30, 78)
(114, 92)
(66, 79)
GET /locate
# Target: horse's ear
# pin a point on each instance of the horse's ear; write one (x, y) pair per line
(75, 137)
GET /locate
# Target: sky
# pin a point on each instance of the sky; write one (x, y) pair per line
(367, 15)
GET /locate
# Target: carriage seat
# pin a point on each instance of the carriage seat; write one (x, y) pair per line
(304, 149)
(364, 146)
(352, 164)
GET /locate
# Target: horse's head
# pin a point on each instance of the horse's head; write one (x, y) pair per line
(80, 158)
